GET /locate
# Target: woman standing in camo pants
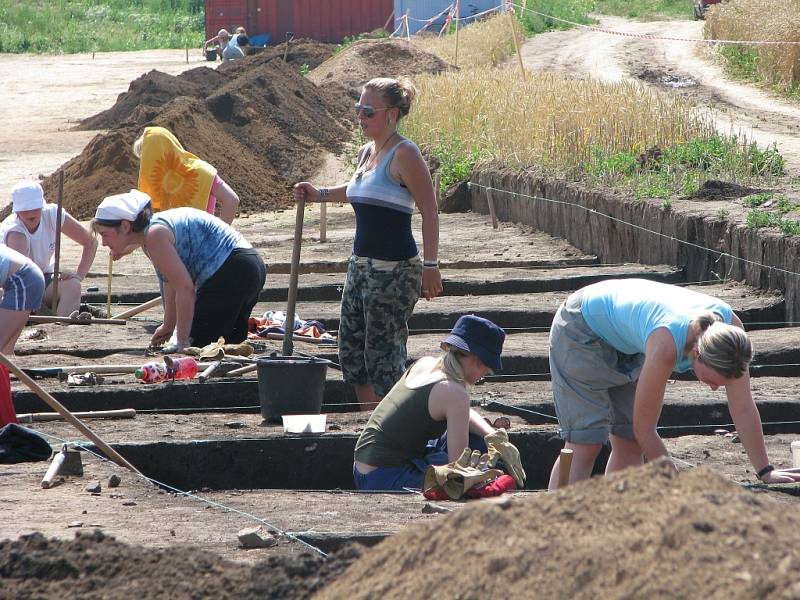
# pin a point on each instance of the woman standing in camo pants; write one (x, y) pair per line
(385, 275)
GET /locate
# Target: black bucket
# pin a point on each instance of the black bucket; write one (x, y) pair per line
(211, 54)
(290, 385)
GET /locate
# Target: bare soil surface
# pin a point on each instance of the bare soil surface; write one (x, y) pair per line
(48, 95)
(682, 67)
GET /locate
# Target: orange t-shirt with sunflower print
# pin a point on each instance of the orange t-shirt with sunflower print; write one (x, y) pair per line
(170, 175)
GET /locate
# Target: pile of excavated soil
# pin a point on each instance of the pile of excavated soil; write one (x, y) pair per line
(108, 166)
(152, 90)
(345, 73)
(261, 123)
(643, 533)
(303, 53)
(94, 566)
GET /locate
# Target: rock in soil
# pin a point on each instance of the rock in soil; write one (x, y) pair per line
(255, 537)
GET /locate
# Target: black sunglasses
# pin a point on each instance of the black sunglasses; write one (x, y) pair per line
(369, 111)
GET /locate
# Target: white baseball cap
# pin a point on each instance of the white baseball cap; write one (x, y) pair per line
(27, 195)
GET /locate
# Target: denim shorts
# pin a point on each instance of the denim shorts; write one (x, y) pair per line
(411, 475)
(594, 385)
(24, 289)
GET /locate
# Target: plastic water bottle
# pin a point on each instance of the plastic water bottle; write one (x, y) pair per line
(171, 368)
(180, 368)
(151, 372)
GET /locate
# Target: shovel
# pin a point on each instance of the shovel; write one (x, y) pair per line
(289, 38)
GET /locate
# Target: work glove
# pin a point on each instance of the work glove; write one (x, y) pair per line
(500, 449)
(468, 471)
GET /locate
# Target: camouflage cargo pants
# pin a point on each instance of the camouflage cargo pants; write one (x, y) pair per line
(377, 301)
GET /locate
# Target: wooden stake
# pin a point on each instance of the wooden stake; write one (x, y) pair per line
(123, 413)
(437, 182)
(57, 258)
(323, 221)
(512, 21)
(187, 55)
(243, 370)
(288, 326)
(92, 321)
(458, 15)
(58, 407)
(110, 276)
(139, 309)
(53, 469)
(492, 213)
(564, 467)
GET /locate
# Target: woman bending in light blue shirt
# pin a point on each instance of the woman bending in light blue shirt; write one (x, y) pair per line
(209, 274)
(614, 345)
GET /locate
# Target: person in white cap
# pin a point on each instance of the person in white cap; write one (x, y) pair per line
(210, 276)
(31, 231)
(21, 291)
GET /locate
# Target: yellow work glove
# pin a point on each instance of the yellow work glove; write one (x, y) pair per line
(499, 448)
(466, 472)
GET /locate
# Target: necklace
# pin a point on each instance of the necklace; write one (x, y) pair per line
(360, 172)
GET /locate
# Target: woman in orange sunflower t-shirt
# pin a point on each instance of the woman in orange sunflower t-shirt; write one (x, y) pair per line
(173, 177)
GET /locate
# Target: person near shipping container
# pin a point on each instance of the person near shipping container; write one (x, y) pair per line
(31, 231)
(173, 177)
(614, 345)
(22, 291)
(227, 44)
(385, 275)
(210, 275)
(426, 418)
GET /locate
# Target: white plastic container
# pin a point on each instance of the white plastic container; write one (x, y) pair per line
(796, 454)
(304, 423)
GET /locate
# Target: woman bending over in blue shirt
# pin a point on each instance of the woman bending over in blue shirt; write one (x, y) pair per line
(209, 274)
(614, 345)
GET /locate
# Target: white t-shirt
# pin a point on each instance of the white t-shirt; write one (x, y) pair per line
(42, 242)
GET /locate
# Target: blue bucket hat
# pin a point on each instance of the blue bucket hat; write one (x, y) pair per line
(480, 337)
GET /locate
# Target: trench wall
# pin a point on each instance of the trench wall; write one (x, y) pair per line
(613, 241)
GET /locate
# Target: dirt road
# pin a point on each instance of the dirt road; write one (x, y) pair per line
(45, 97)
(684, 67)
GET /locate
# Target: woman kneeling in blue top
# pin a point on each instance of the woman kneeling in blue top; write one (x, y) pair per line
(431, 398)
(614, 345)
(209, 274)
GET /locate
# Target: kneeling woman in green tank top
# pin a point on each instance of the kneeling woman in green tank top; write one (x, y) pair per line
(426, 418)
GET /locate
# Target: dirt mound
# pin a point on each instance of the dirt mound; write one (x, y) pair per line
(643, 533)
(302, 53)
(94, 566)
(283, 123)
(350, 69)
(108, 166)
(151, 89)
(260, 122)
(714, 189)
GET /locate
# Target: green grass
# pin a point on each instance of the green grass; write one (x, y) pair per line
(645, 9)
(680, 169)
(69, 26)
(741, 63)
(569, 10)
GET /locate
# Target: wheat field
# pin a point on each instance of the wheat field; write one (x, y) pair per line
(774, 20)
